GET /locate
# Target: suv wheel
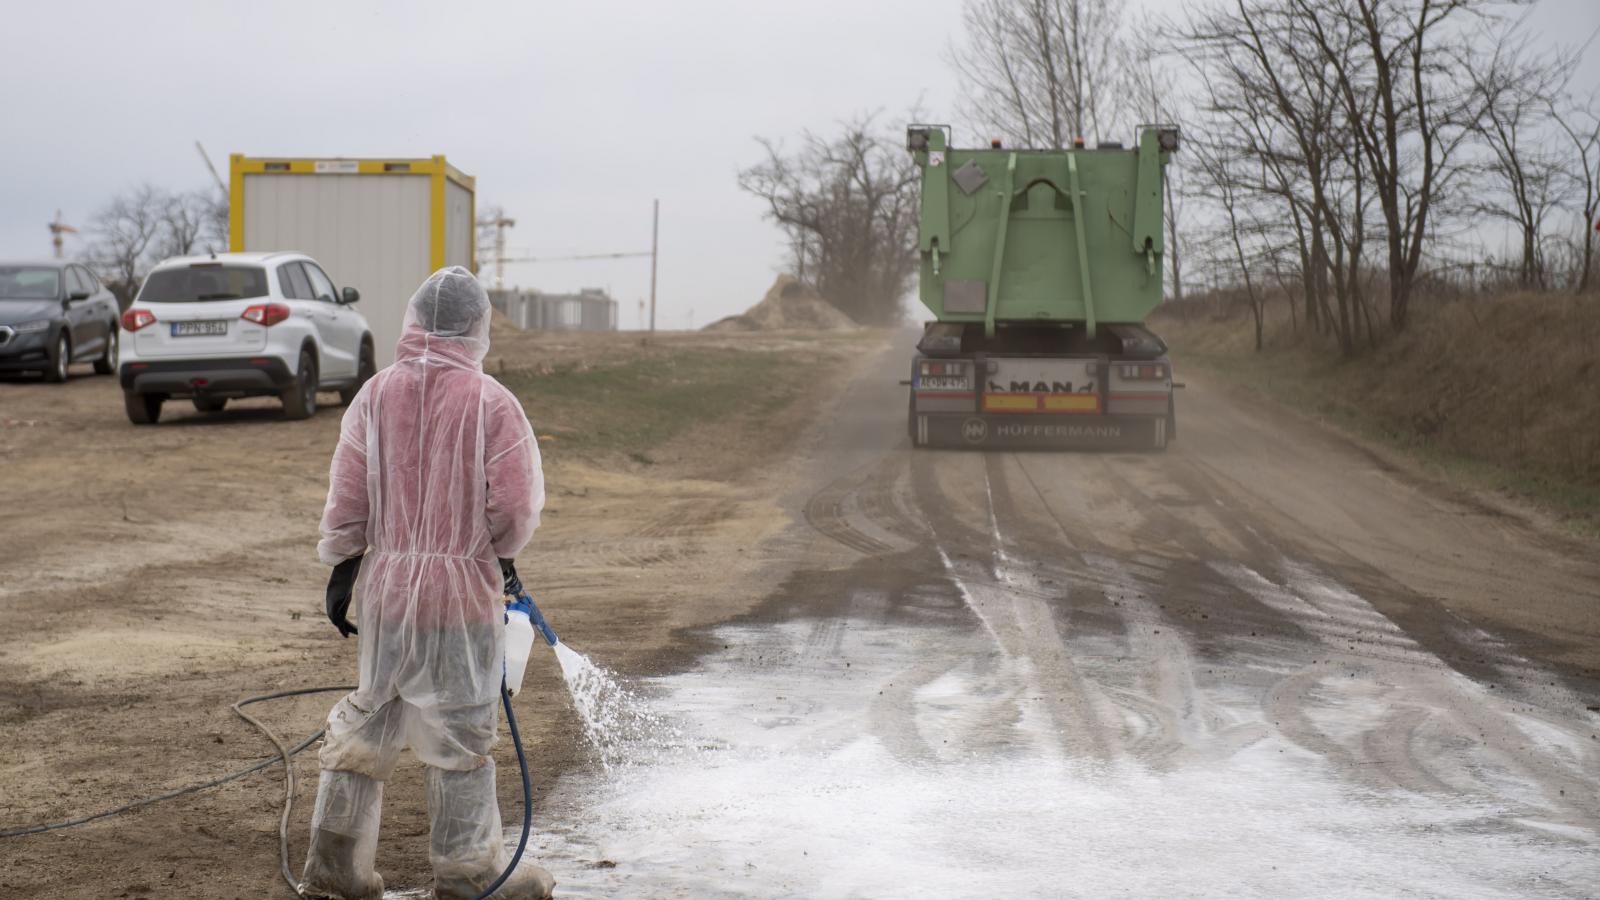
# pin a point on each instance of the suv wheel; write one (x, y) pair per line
(143, 409)
(107, 363)
(60, 358)
(300, 400)
(364, 371)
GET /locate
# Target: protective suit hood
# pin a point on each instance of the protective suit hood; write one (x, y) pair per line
(447, 322)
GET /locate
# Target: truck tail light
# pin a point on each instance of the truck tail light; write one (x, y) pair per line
(1144, 372)
(930, 367)
(135, 319)
(267, 314)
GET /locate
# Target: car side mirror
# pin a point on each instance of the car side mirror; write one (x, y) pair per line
(77, 295)
(349, 296)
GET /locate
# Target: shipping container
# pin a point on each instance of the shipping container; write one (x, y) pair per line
(380, 226)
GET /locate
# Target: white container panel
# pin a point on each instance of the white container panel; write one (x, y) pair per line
(370, 232)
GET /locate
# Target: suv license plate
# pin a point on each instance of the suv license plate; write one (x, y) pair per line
(194, 329)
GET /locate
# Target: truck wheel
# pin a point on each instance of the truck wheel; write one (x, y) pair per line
(143, 409)
(107, 363)
(364, 372)
(300, 400)
(1172, 420)
(911, 417)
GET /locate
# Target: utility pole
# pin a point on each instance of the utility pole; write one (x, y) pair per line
(655, 230)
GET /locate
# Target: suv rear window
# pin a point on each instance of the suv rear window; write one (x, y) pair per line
(202, 282)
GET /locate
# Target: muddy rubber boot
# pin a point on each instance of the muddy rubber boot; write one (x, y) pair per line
(344, 839)
(528, 882)
(467, 847)
(330, 875)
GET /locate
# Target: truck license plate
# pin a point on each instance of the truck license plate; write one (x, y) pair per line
(195, 329)
(943, 383)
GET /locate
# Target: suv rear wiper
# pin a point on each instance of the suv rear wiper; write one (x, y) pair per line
(224, 296)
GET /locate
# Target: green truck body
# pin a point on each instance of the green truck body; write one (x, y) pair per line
(1041, 235)
(1040, 267)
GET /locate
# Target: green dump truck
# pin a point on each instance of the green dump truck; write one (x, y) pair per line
(1040, 267)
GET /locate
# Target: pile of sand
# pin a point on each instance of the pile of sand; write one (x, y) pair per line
(788, 306)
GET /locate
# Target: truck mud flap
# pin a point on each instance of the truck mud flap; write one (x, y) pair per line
(992, 432)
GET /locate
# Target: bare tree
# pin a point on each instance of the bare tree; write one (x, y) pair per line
(849, 206)
(1040, 73)
(121, 236)
(1579, 121)
(1407, 103)
(1514, 90)
(147, 224)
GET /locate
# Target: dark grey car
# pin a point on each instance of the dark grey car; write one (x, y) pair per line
(54, 313)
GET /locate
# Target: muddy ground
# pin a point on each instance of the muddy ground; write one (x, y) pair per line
(1268, 662)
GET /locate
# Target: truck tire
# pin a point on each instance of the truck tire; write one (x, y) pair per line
(911, 418)
(143, 409)
(1172, 419)
(300, 399)
(364, 371)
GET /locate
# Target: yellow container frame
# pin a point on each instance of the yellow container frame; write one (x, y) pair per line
(435, 168)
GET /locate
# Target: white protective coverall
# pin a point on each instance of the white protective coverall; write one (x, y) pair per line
(436, 475)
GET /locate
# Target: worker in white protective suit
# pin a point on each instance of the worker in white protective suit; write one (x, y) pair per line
(435, 481)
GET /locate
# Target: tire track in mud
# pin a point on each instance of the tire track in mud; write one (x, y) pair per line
(1438, 730)
(1152, 677)
(1433, 729)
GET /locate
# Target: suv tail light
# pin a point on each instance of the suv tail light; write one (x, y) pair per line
(268, 314)
(1145, 372)
(135, 319)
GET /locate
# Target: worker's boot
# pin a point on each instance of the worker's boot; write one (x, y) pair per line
(467, 847)
(344, 839)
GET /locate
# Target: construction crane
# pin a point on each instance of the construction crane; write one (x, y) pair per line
(499, 221)
(57, 229)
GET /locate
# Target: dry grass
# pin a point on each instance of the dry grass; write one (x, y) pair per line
(1509, 381)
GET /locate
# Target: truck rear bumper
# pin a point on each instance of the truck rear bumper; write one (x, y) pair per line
(1039, 432)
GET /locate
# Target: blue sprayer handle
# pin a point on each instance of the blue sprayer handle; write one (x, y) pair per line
(525, 601)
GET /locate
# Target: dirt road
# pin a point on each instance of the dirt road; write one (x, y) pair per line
(1265, 663)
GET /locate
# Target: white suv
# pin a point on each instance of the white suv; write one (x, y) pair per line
(211, 328)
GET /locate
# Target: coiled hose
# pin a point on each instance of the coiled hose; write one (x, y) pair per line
(285, 756)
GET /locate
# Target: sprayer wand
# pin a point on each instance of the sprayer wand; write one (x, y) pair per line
(525, 602)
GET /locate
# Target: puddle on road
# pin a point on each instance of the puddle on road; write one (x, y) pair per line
(889, 761)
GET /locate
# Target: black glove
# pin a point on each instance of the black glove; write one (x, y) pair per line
(508, 568)
(341, 587)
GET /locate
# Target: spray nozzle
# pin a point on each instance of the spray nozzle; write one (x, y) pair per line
(524, 603)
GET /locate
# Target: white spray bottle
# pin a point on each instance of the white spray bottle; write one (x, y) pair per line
(522, 616)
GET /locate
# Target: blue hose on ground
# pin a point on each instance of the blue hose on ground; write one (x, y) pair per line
(527, 795)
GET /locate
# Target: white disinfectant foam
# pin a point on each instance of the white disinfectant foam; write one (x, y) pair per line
(617, 724)
(884, 764)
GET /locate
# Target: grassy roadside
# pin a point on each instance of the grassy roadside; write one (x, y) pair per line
(1500, 396)
(631, 400)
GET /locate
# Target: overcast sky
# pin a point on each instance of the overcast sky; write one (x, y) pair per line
(572, 115)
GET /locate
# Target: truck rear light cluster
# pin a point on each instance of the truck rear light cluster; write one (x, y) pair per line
(135, 319)
(930, 367)
(267, 314)
(1144, 371)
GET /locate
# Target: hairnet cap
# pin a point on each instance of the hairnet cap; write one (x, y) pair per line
(451, 303)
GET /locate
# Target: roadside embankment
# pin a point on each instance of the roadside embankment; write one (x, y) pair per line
(1497, 392)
